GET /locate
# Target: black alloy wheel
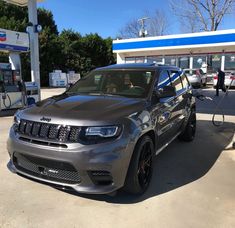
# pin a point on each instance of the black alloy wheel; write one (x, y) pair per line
(144, 171)
(193, 125)
(189, 132)
(141, 167)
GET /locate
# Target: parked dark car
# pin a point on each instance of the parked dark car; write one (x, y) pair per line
(102, 133)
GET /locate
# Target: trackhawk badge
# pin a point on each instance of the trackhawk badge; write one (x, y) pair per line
(45, 119)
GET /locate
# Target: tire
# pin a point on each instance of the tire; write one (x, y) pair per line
(204, 84)
(141, 168)
(189, 132)
(201, 84)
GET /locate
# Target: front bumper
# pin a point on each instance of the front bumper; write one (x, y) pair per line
(111, 157)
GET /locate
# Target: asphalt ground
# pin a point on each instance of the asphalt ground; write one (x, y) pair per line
(193, 185)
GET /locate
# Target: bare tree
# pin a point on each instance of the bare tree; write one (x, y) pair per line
(130, 30)
(204, 15)
(188, 23)
(156, 25)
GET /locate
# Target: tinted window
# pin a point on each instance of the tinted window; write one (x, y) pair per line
(163, 80)
(128, 83)
(184, 81)
(175, 80)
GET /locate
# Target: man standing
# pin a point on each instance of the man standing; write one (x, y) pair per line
(220, 82)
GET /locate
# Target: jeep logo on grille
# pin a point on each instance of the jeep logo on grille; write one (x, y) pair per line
(45, 119)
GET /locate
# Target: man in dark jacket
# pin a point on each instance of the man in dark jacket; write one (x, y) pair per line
(220, 82)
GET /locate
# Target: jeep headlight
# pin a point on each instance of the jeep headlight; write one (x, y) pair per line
(16, 121)
(104, 132)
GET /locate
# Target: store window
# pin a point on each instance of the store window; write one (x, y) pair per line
(172, 61)
(184, 62)
(199, 62)
(155, 59)
(129, 60)
(229, 62)
(213, 63)
(139, 59)
(134, 59)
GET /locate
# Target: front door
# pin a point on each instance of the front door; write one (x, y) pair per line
(162, 112)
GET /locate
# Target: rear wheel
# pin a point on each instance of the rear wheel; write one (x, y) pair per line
(204, 84)
(141, 168)
(190, 130)
(201, 84)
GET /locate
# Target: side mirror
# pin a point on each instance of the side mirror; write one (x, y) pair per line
(166, 91)
(69, 85)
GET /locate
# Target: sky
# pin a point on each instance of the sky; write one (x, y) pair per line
(107, 17)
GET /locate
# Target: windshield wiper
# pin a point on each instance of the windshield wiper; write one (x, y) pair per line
(114, 94)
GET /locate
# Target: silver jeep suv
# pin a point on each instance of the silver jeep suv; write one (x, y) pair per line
(101, 134)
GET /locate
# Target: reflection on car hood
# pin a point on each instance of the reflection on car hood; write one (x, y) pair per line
(85, 107)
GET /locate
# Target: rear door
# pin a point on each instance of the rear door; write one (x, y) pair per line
(180, 101)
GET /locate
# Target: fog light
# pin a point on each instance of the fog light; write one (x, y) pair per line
(100, 177)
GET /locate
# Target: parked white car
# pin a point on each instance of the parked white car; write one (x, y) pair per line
(196, 77)
(229, 79)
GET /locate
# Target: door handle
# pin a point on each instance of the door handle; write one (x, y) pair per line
(164, 117)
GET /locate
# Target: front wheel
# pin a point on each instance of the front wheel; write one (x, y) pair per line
(140, 170)
(189, 132)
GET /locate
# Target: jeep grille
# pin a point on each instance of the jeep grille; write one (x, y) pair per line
(61, 133)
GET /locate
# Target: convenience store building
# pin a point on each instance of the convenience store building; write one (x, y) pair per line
(206, 50)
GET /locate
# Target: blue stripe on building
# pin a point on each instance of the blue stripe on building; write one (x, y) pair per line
(210, 39)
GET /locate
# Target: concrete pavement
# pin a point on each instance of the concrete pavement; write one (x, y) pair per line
(193, 186)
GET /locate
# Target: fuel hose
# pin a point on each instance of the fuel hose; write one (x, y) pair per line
(4, 101)
(216, 115)
(218, 108)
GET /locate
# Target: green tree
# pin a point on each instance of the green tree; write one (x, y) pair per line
(68, 50)
(16, 18)
(70, 43)
(49, 45)
(96, 52)
(13, 17)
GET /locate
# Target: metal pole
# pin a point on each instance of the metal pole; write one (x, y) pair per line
(33, 43)
(142, 23)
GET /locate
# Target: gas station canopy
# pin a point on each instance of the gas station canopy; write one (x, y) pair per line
(20, 2)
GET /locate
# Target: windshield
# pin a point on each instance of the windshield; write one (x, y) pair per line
(129, 83)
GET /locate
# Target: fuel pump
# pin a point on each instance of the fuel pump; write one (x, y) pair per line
(10, 93)
(14, 92)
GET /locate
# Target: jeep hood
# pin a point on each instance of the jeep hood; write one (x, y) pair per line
(84, 109)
